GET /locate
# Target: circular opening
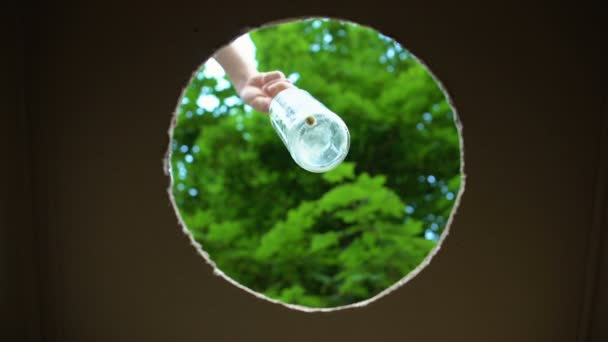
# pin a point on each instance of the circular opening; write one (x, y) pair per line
(315, 241)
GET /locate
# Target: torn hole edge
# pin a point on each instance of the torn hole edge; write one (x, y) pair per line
(408, 277)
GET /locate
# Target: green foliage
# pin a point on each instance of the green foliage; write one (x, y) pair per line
(335, 238)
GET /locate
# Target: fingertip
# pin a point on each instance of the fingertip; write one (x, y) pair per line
(272, 75)
(277, 87)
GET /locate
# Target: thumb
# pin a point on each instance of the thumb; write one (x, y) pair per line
(261, 103)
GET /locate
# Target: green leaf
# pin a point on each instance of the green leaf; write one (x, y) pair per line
(346, 170)
(323, 241)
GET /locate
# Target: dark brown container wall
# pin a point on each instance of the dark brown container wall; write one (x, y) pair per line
(90, 248)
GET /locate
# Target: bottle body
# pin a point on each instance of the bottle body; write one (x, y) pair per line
(317, 139)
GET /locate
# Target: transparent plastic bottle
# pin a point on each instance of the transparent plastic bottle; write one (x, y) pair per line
(317, 138)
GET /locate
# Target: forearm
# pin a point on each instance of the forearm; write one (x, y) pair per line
(238, 69)
(257, 89)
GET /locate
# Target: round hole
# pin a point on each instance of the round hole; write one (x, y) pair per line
(315, 241)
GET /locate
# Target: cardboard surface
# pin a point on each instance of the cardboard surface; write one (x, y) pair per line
(19, 306)
(104, 79)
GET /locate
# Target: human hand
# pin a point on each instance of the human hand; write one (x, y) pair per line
(259, 90)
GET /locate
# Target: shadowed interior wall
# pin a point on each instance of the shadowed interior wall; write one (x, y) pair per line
(19, 266)
(9, 129)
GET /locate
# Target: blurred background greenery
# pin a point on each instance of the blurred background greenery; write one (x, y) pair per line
(319, 240)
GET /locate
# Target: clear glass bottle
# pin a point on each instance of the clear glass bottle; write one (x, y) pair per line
(317, 138)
